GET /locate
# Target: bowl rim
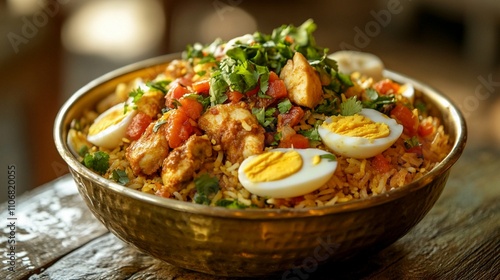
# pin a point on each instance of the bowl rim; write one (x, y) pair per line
(354, 205)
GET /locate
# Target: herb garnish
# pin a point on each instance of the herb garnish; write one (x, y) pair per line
(98, 161)
(120, 176)
(206, 187)
(350, 106)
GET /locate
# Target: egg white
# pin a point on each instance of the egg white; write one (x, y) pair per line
(309, 178)
(360, 147)
(111, 136)
(354, 61)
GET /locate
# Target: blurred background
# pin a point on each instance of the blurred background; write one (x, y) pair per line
(51, 48)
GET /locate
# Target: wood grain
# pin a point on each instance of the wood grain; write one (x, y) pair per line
(458, 239)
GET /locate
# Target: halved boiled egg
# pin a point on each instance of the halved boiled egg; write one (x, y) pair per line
(110, 127)
(283, 173)
(362, 135)
(354, 61)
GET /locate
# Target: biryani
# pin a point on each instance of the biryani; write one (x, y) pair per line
(262, 121)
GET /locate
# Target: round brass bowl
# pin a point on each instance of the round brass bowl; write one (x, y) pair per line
(252, 242)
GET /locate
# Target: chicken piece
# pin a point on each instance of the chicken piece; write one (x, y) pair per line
(302, 82)
(151, 103)
(235, 128)
(148, 152)
(184, 161)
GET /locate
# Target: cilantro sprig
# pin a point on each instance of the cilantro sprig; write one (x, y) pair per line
(98, 161)
(206, 188)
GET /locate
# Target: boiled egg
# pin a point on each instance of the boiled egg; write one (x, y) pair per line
(110, 127)
(362, 135)
(354, 61)
(286, 172)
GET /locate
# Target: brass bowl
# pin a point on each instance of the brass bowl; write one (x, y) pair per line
(252, 242)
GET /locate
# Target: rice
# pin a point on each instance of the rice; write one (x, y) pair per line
(352, 180)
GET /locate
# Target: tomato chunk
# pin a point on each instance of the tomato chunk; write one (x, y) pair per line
(175, 93)
(425, 129)
(277, 88)
(386, 86)
(202, 86)
(235, 96)
(297, 141)
(405, 117)
(179, 129)
(191, 107)
(291, 118)
(138, 125)
(381, 164)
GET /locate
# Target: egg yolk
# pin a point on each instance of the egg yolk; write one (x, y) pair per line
(357, 126)
(113, 118)
(272, 166)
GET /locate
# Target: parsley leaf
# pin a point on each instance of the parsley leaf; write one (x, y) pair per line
(206, 187)
(230, 204)
(284, 106)
(411, 142)
(312, 134)
(136, 94)
(376, 101)
(99, 161)
(159, 85)
(350, 107)
(120, 176)
(329, 157)
(265, 117)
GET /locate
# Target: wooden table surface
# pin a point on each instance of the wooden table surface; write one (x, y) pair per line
(56, 237)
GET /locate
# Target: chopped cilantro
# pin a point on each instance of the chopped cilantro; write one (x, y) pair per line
(206, 187)
(218, 88)
(329, 157)
(411, 142)
(158, 124)
(99, 161)
(136, 94)
(265, 117)
(350, 107)
(120, 176)
(230, 204)
(376, 101)
(159, 85)
(312, 133)
(284, 106)
(83, 150)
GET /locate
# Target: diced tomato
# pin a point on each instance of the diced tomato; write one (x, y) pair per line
(291, 118)
(386, 86)
(416, 150)
(381, 164)
(191, 107)
(202, 86)
(425, 129)
(179, 129)
(176, 92)
(405, 117)
(235, 96)
(276, 88)
(297, 141)
(289, 39)
(253, 91)
(138, 125)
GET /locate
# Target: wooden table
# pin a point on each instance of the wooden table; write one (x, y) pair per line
(56, 237)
